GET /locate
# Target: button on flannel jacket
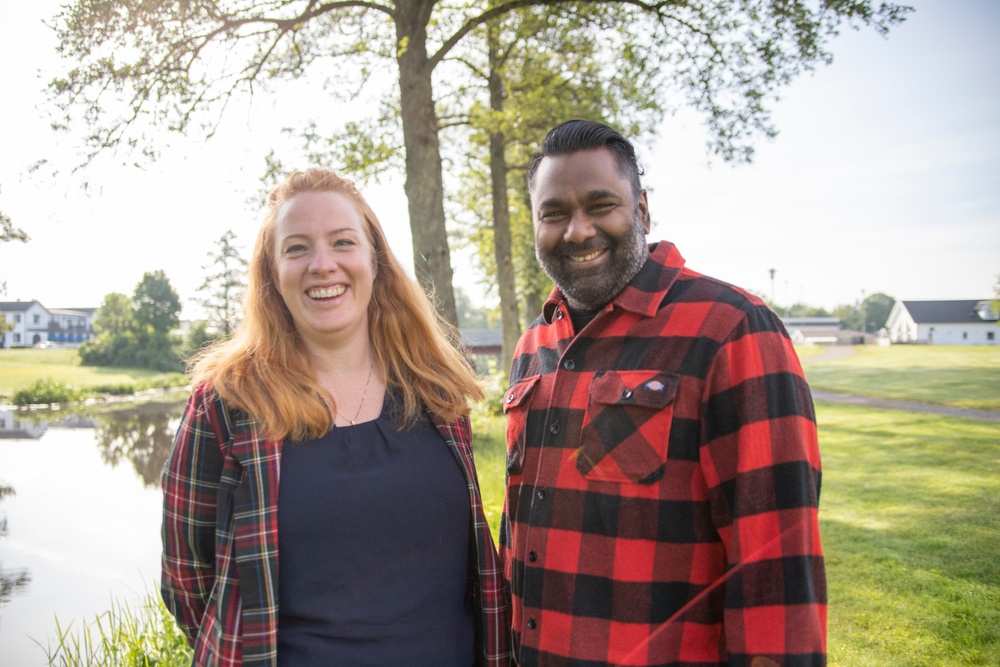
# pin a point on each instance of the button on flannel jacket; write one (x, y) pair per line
(220, 539)
(663, 483)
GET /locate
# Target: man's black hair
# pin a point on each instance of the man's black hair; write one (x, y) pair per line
(586, 135)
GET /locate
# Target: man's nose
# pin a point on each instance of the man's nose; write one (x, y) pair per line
(580, 228)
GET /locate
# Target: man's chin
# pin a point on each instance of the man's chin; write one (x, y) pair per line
(590, 294)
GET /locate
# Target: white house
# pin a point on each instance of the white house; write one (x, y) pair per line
(968, 322)
(32, 323)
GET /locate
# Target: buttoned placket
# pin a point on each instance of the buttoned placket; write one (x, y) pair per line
(549, 457)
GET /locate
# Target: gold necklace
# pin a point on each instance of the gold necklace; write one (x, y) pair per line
(364, 394)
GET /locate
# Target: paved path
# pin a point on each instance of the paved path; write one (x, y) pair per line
(841, 351)
(909, 406)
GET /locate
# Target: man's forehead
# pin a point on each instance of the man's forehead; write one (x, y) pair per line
(594, 162)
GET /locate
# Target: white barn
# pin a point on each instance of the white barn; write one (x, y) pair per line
(964, 322)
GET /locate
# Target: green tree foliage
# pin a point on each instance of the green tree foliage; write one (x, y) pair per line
(136, 332)
(8, 232)
(170, 63)
(198, 337)
(155, 304)
(528, 71)
(115, 315)
(805, 310)
(223, 286)
(869, 314)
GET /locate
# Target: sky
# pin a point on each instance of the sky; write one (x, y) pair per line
(885, 177)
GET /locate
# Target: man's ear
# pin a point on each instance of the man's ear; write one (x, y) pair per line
(643, 205)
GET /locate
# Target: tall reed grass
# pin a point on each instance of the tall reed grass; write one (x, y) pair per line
(124, 636)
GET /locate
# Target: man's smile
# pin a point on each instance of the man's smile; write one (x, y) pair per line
(579, 259)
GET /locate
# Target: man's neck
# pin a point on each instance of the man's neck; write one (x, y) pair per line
(581, 317)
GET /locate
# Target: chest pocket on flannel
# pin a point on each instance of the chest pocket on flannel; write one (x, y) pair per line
(627, 426)
(515, 406)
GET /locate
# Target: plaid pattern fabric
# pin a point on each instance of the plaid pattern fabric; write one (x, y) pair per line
(663, 483)
(220, 539)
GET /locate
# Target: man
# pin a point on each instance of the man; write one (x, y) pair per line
(663, 470)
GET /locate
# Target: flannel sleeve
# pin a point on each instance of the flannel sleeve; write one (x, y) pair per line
(190, 481)
(760, 457)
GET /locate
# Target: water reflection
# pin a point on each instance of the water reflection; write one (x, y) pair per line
(82, 527)
(141, 435)
(10, 580)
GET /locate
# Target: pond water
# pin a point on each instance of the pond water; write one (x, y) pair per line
(79, 517)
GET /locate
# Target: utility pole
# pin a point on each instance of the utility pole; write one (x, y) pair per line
(772, 272)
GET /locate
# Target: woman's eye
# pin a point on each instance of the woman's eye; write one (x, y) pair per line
(343, 242)
(295, 249)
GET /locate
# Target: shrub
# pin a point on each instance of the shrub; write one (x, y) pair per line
(44, 391)
(113, 389)
(164, 381)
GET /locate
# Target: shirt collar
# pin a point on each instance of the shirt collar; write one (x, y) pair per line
(644, 293)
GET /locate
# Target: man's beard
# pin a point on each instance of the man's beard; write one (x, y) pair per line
(592, 289)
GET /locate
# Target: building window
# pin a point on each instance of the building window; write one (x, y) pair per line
(17, 338)
(965, 335)
(989, 335)
(37, 319)
(17, 318)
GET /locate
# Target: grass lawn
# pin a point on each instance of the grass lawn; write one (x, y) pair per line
(961, 376)
(21, 367)
(910, 513)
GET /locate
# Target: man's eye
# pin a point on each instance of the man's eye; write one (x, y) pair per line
(552, 216)
(602, 207)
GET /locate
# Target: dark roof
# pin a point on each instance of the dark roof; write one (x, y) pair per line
(958, 312)
(481, 337)
(818, 322)
(16, 306)
(71, 311)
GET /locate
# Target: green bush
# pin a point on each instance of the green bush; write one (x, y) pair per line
(164, 381)
(112, 389)
(45, 391)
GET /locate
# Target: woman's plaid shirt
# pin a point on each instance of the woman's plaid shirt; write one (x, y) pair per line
(663, 483)
(220, 539)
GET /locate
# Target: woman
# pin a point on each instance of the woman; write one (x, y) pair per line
(321, 505)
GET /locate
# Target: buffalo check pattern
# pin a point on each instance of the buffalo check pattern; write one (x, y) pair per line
(663, 480)
(220, 539)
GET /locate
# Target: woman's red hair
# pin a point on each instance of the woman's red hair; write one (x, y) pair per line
(263, 368)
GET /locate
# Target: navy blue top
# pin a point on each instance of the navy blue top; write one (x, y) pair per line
(373, 549)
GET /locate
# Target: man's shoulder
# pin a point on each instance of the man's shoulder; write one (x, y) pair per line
(692, 286)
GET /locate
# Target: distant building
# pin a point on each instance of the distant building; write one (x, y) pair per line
(969, 322)
(34, 324)
(483, 345)
(822, 331)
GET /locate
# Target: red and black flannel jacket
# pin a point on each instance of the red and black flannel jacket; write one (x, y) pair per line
(663, 483)
(220, 539)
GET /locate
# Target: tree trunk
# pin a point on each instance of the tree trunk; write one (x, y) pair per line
(510, 325)
(424, 182)
(534, 296)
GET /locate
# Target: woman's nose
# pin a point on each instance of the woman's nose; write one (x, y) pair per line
(323, 259)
